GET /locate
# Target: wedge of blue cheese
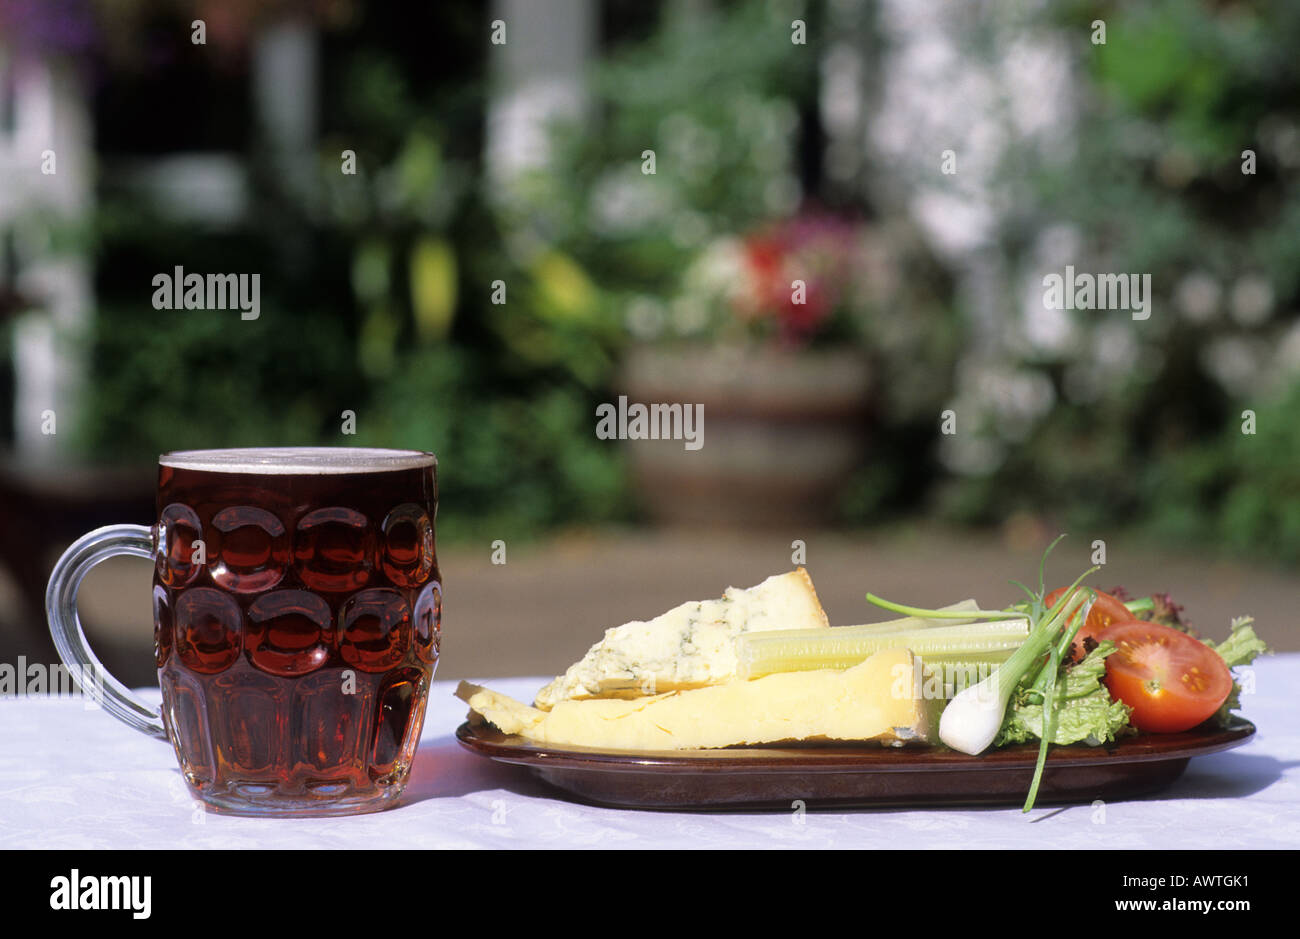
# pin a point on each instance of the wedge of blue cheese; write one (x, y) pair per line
(690, 646)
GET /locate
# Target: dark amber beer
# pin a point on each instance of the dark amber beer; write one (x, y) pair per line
(297, 610)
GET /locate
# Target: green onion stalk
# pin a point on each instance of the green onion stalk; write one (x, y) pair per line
(973, 718)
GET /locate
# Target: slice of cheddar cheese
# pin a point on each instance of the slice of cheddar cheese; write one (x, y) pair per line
(874, 701)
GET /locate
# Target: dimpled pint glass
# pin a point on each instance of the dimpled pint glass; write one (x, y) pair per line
(297, 611)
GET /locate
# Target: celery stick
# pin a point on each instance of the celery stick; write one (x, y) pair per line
(937, 635)
(845, 646)
(959, 658)
(946, 676)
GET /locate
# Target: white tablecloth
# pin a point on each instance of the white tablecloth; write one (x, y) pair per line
(72, 778)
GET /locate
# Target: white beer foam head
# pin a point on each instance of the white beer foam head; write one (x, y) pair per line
(301, 461)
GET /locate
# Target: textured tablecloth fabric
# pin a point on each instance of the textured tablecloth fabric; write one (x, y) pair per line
(76, 778)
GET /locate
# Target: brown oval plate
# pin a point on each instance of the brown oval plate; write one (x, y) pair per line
(849, 776)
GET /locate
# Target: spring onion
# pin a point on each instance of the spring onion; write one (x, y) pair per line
(974, 716)
(1140, 605)
(1039, 688)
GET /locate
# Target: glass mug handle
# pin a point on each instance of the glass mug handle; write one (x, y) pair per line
(65, 625)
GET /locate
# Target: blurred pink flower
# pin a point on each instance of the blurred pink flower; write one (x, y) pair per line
(815, 248)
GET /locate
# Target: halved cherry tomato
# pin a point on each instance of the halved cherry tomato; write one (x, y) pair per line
(1105, 612)
(1172, 681)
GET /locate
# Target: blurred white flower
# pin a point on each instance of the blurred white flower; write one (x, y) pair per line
(690, 147)
(645, 318)
(1115, 347)
(625, 201)
(840, 99)
(1025, 398)
(1011, 401)
(1041, 88)
(1280, 137)
(1043, 328)
(956, 225)
(1058, 245)
(970, 451)
(1287, 357)
(1197, 296)
(1235, 363)
(720, 269)
(1251, 300)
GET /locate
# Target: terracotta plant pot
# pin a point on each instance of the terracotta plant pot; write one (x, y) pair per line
(782, 431)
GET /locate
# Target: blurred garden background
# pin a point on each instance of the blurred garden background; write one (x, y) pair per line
(476, 222)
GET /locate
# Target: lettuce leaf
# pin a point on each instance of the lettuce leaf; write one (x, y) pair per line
(1240, 648)
(1085, 712)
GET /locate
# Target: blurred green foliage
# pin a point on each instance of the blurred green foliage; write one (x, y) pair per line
(1238, 491)
(379, 288)
(1154, 183)
(700, 139)
(377, 298)
(715, 94)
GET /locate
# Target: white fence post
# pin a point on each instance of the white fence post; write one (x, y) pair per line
(51, 130)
